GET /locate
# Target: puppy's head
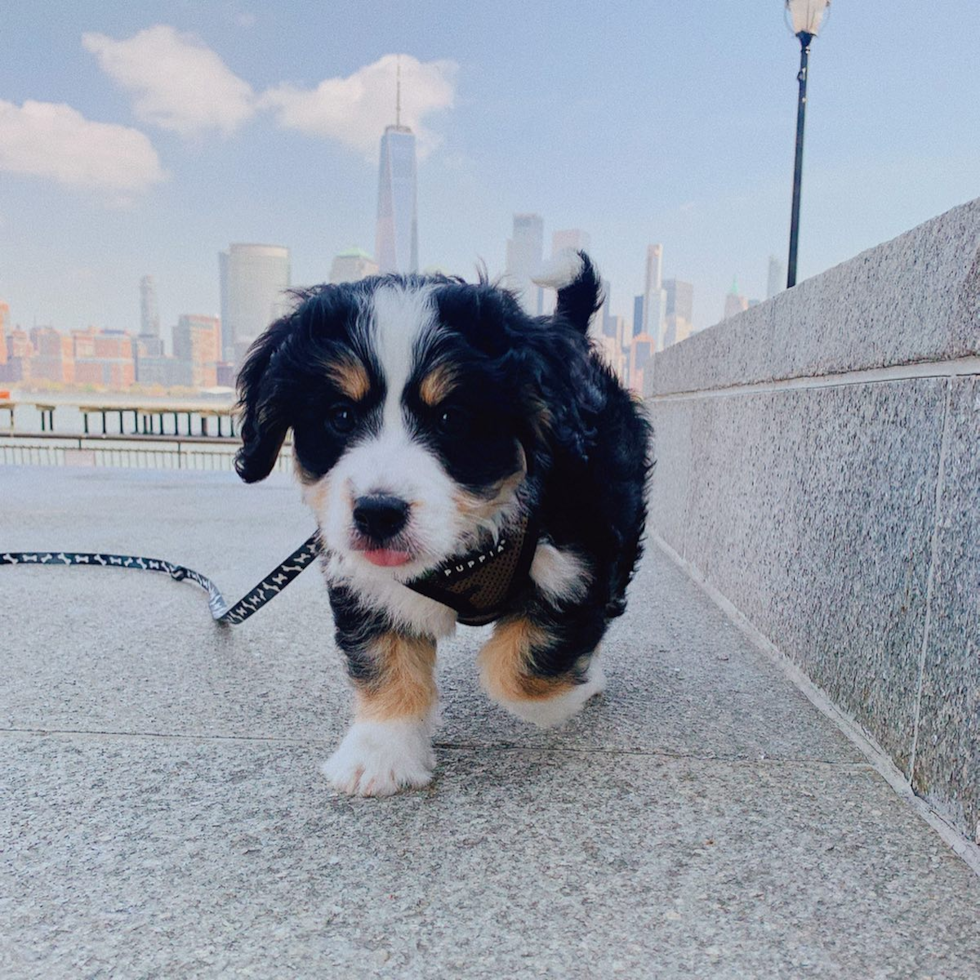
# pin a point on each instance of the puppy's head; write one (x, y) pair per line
(416, 405)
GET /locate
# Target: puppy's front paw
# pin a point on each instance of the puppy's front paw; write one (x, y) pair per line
(378, 758)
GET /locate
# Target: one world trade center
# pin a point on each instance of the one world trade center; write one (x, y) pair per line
(397, 239)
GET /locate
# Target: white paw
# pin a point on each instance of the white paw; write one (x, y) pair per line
(549, 712)
(378, 758)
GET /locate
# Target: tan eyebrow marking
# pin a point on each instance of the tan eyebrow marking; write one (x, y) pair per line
(350, 376)
(437, 384)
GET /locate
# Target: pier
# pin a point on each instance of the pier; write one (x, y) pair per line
(148, 417)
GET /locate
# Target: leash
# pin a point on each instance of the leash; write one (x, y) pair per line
(224, 615)
(479, 586)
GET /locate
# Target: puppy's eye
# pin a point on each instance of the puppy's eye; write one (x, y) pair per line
(341, 419)
(450, 421)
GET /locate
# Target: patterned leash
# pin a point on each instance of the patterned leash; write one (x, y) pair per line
(247, 606)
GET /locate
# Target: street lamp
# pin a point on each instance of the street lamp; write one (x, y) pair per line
(803, 18)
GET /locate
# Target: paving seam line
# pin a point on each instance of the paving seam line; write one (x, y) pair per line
(880, 761)
(177, 736)
(447, 747)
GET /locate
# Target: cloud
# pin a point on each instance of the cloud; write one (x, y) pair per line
(178, 82)
(53, 140)
(355, 110)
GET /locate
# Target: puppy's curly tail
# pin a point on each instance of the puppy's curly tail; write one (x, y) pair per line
(579, 290)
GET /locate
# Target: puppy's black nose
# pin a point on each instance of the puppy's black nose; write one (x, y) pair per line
(380, 516)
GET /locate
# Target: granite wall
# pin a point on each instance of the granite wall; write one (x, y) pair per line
(818, 462)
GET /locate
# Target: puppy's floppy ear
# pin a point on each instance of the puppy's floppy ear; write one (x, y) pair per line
(573, 275)
(261, 404)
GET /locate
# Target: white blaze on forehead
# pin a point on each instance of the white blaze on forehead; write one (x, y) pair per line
(401, 320)
(397, 324)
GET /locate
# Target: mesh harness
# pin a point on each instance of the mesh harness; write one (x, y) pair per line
(482, 585)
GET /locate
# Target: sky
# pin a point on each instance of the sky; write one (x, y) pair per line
(144, 137)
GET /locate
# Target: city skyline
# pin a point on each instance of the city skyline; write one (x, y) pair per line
(691, 148)
(254, 283)
(265, 279)
(115, 360)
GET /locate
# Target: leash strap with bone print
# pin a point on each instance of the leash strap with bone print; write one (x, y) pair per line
(479, 586)
(224, 615)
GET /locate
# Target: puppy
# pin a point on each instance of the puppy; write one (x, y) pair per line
(464, 462)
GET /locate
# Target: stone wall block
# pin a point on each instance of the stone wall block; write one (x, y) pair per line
(947, 767)
(811, 510)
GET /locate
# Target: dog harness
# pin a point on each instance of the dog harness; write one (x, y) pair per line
(481, 586)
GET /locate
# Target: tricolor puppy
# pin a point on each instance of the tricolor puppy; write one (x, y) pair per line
(465, 463)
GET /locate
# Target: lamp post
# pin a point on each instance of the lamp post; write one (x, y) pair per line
(803, 19)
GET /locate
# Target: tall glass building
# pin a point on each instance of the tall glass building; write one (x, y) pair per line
(655, 296)
(149, 310)
(525, 251)
(397, 239)
(777, 277)
(254, 279)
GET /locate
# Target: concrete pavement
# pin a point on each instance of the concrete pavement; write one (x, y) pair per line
(163, 815)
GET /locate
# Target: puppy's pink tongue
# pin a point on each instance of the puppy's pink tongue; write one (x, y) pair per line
(387, 558)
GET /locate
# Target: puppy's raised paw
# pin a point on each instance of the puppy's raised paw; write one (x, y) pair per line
(378, 758)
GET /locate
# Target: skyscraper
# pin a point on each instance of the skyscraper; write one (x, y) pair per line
(397, 235)
(654, 297)
(777, 278)
(149, 309)
(253, 283)
(227, 337)
(352, 265)
(614, 345)
(680, 298)
(679, 321)
(603, 321)
(735, 302)
(573, 238)
(4, 314)
(524, 254)
(197, 348)
(637, 316)
(641, 364)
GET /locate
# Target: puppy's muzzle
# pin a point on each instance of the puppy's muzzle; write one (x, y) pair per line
(380, 516)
